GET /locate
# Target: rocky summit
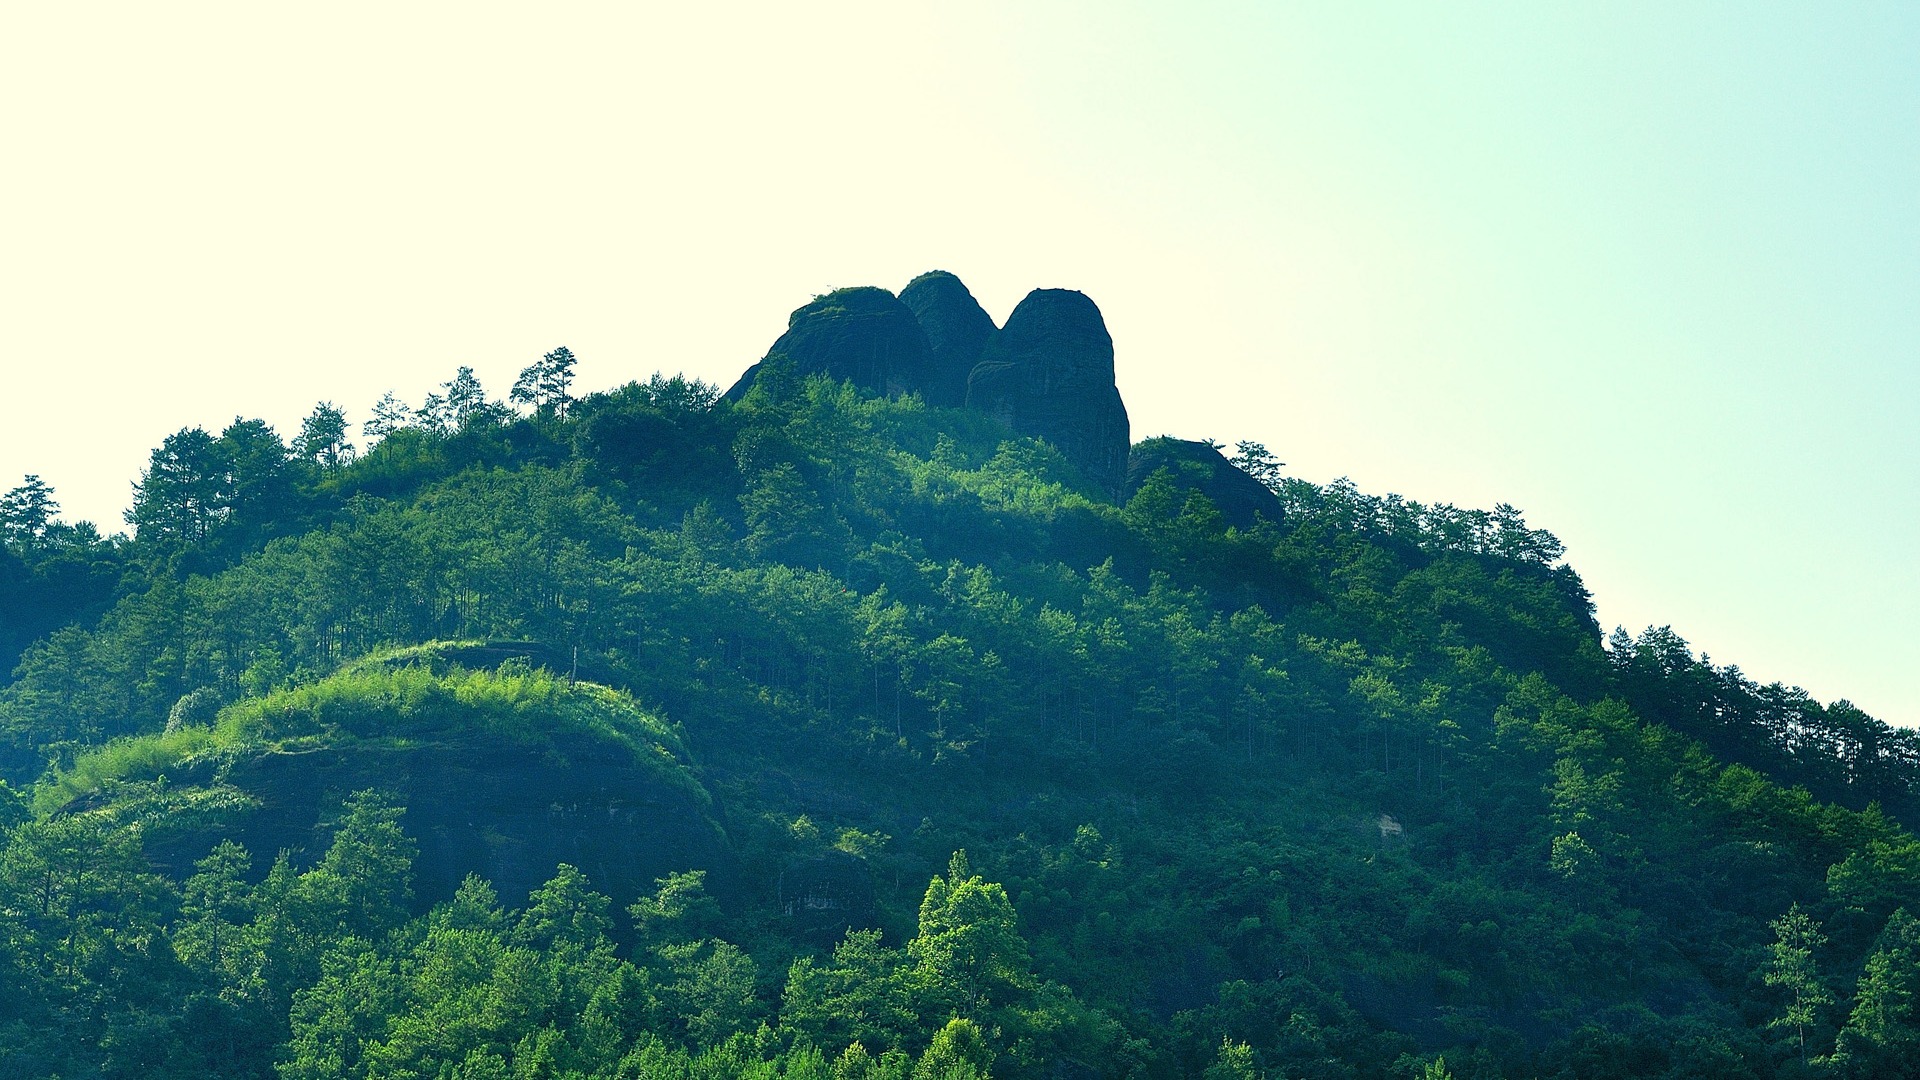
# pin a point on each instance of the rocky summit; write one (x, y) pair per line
(865, 335)
(1049, 373)
(957, 330)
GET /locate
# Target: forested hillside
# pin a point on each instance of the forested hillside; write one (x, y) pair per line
(821, 731)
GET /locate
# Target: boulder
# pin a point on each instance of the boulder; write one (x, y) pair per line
(1199, 466)
(864, 334)
(1049, 374)
(957, 330)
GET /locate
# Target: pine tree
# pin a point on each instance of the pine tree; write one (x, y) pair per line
(26, 512)
(543, 385)
(390, 414)
(323, 437)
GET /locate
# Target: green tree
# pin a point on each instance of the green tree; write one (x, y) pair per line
(958, 1051)
(968, 949)
(1258, 462)
(1881, 1038)
(678, 911)
(709, 987)
(1791, 966)
(323, 437)
(564, 913)
(543, 386)
(460, 401)
(390, 414)
(363, 885)
(862, 994)
(180, 496)
(1235, 1061)
(26, 512)
(231, 1020)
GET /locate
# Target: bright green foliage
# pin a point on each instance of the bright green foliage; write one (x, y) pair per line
(564, 913)
(969, 950)
(382, 699)
(959, 1051)
(708, 986)
(1882, 1037)
(679, 911)
(1235, 1062)
(865, 994)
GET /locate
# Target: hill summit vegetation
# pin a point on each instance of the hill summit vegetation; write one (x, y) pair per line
(874, 721)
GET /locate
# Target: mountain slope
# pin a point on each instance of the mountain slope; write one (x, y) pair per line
(1309, 783)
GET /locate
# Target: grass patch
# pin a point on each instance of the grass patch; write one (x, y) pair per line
(394, 698)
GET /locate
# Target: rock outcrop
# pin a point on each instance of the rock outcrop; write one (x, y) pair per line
(957, 330)
(864, 334)
(1199, 466)
(1049, 373)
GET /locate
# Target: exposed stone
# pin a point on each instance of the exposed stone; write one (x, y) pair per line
(826, 895)
(1049, 374)
(1199, 466)
(957, 330)
(864, 334)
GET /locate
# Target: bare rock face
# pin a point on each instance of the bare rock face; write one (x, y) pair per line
(957, 330)
(865, 334)
(1049, 374)
(1199, 466)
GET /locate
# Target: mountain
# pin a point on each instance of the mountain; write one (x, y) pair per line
(869, 721)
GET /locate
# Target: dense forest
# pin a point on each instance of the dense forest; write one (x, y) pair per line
(822, 730)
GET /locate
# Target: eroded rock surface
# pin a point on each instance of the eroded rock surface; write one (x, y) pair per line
(1049, 373)
(957, 330)
(864, 334)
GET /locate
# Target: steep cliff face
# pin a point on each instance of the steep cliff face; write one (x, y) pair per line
(1049, 373)
(957, 330)
(1198, 466)
(864, 334)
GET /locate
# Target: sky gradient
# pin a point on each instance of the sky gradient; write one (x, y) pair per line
(1652, 275)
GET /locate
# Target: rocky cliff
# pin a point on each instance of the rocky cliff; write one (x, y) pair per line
(957, 330)
(1049, 373)
(864, 334)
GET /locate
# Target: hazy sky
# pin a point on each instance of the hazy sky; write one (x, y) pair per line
(1650, 272)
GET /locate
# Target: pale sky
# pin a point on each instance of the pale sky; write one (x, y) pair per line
(1650, 272)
